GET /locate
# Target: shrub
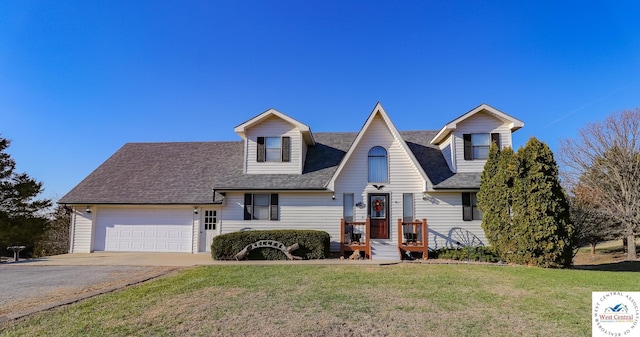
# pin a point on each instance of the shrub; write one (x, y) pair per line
(313, 244)
(480, 254)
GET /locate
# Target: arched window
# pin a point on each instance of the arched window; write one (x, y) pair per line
(378, 165)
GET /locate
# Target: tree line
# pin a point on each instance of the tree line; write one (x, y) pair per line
(26, 219)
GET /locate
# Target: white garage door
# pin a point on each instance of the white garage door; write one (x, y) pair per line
(144, 230)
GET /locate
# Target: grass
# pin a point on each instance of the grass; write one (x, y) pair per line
(295, 300)
(609, 256)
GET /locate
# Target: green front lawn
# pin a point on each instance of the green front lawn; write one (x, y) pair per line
(399, 300)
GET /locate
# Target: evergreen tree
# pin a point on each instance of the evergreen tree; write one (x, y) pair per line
(495, 198)
(541, 221)
(22, 215)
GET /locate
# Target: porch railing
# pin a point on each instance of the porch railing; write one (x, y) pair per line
(413, 237)
(355, 235)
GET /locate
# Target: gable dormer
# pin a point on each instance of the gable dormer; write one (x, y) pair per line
(465, 141)
(274, 143)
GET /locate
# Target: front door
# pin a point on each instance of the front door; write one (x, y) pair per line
(208, 229)
(379, 215)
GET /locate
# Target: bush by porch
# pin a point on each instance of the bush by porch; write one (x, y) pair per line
(313, 244)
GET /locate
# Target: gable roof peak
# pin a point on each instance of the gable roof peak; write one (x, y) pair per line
(377, 110)
(513, 123)
(304, 129)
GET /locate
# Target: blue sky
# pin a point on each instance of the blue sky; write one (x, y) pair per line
(79, 79)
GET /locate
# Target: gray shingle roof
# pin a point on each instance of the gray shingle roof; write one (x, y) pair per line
(187, 173)
(434, 165)
(466, 180)
(159, 173)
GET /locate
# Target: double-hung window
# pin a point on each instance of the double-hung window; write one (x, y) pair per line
(476, 145)
(470, 209)
(347, 207)
(274, 149)
(407, 207)
(261, 206)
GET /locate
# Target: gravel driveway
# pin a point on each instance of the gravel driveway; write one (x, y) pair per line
(25, 289)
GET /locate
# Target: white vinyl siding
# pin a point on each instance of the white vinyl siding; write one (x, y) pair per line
(274, 127)
(444, 214)
(446, 148)
(403, 174)
(82, 230)
(317, 211)
(478, 123)
(298, 210)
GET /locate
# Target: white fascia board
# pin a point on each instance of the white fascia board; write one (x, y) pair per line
(442, 134)
(514, 123)
(377, 109)
(304, 129)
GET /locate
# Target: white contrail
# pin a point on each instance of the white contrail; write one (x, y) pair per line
(587, 105)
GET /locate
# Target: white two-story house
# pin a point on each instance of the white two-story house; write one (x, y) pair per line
(388, 190)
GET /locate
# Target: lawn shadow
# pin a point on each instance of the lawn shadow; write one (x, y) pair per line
(629, 266)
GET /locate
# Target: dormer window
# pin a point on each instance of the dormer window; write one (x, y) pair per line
(274, 149)
(476, 145)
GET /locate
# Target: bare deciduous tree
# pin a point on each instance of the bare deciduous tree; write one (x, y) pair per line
(592, 225)
(605, 158)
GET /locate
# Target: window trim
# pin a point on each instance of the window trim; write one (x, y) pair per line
(386, 163)
(405, 216)
(249, 206)
(469, 147)
(470, 206)
(285, 149)
(348, 206)
(275, 151)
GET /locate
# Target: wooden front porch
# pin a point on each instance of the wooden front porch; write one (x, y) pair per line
(354, 236)
(412, 237)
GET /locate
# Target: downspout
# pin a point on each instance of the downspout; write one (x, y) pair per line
(72, 229)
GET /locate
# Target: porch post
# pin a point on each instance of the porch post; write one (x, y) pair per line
(368, 245)
(341, 237)
(400, 234)
(425, 239)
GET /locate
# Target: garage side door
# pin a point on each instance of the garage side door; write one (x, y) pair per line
(144, 230)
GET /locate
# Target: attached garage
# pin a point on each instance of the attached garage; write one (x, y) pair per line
(144, 230)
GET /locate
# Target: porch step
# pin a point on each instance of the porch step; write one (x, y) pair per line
(384, 250)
